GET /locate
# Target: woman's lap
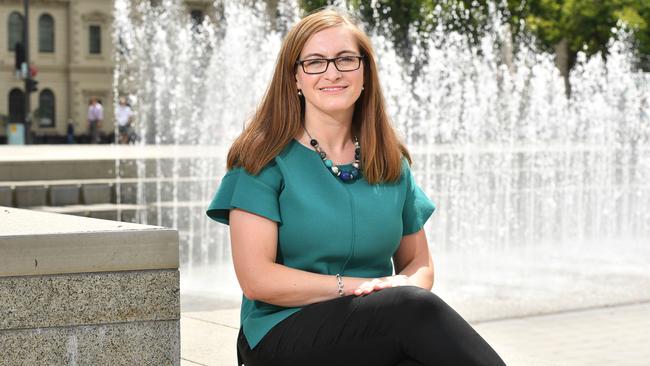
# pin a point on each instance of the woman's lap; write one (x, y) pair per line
(342, 320)
(390, 326)
(361, 353)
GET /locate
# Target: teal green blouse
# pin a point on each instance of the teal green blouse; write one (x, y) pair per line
(325, 226)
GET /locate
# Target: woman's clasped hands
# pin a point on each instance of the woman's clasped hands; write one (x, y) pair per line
(378, 284)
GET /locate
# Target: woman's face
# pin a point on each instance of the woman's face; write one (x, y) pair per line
(333, 91)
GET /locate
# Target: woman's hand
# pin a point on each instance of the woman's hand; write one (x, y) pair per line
(382, 283)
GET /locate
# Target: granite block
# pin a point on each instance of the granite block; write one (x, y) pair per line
(82, 291)
(136, 343)
(63, 195)
(96, 193)
(88, 298)
(6, 196)
(31, 196)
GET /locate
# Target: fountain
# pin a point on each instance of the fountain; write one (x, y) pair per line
(538, 195)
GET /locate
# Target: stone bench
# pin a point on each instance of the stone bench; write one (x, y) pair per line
(84, 291)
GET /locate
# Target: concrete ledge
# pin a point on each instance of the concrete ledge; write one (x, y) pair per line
(85, 291)
(56, 244)
(137, 343)
(88, 298)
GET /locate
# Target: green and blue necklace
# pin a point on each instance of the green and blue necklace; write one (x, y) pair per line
(338, 171)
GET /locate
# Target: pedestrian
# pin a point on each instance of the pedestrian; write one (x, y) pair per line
(95, 118)
(124, 117)
(70, 132)
(326, 219)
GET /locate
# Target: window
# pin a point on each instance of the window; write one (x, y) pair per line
(15, 30)
(46, 113)
(16, 106)
(95, 38)
(46, 33)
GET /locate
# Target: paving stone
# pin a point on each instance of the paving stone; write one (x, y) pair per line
(607, 336)
(604, 336)
(206, 343)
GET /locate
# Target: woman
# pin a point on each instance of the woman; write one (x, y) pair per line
(319, 198)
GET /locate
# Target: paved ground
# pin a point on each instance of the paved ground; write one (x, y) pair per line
(601, 336)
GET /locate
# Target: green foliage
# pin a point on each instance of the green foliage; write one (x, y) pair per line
(586, 25)
(310, 5)
(400, 15)
(637, 15)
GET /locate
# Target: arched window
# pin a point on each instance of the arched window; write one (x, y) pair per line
(46, 33)
(16, 106)
(46, 113)
(14, 30)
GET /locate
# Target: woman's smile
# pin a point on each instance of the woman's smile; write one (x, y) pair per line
(333, 89)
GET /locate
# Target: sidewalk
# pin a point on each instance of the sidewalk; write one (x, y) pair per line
(603, 336)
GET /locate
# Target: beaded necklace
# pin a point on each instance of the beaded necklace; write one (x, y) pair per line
(337, 171)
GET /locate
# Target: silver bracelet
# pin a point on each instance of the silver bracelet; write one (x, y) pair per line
(340, 283)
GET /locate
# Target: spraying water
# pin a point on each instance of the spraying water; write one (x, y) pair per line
(518, 170)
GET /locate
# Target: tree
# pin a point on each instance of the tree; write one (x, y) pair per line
(567, 27)
(310, 5)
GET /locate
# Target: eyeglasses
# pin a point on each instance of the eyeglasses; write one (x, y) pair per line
(320, 65)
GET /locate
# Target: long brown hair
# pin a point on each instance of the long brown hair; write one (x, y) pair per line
(279, 117)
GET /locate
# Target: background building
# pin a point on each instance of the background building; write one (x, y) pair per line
(71, 47)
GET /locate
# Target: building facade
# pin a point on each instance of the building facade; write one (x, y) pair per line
(71, 48)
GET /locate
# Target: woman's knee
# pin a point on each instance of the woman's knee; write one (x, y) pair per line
(413, 300)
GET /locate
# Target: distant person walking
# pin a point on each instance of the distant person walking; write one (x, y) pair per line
(70, 132)
(95, 118)
(124, 117)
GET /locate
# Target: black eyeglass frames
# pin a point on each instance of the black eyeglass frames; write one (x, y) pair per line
(320, 65)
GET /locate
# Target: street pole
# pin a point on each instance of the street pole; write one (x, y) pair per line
(28, 114)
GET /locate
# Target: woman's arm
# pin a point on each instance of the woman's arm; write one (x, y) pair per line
(413, 260)
(413, 266)
(254, 247)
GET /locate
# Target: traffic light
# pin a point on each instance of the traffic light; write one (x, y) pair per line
(19, 55)
(32, 85)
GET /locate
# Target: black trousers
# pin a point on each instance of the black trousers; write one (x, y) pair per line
(399, 326)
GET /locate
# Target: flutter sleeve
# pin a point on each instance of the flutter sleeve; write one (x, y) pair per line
(417, 206)
(258, 194)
